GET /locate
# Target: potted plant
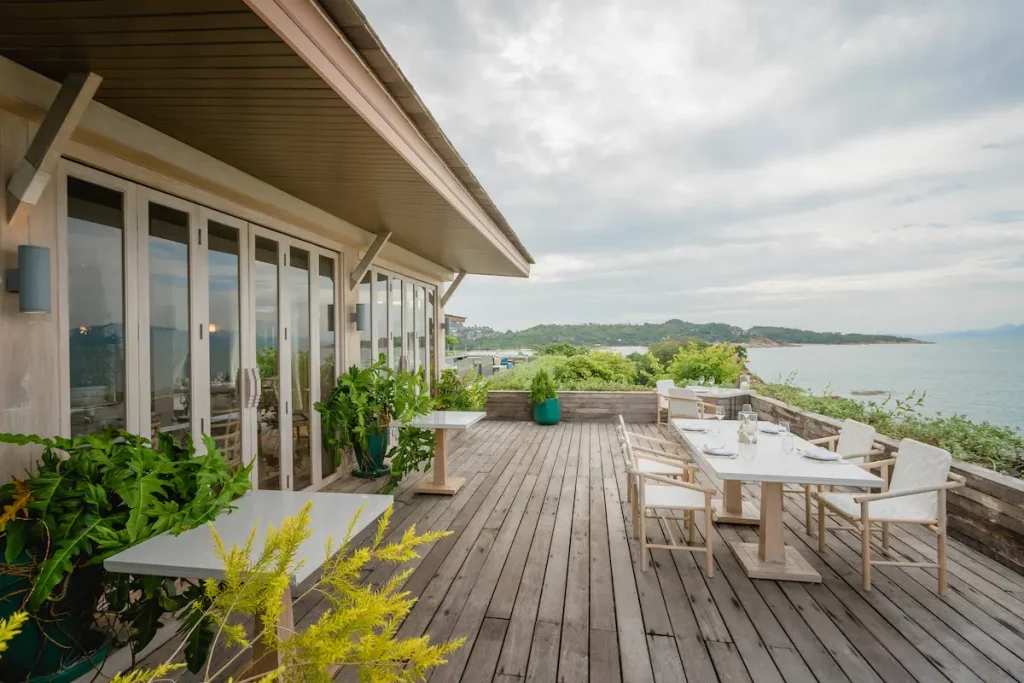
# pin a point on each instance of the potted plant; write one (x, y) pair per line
(363, 405)
(544, 398)
(92, 497)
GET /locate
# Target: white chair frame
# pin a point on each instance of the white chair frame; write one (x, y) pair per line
(862, 525)
(641, 512)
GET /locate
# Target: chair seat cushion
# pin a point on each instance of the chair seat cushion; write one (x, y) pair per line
(673, 497)
(916, 508)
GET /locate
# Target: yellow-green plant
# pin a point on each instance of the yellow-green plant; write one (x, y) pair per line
(11, 627)
(358, 629)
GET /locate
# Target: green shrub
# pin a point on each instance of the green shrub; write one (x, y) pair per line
(542, 388)
(998, 448)
(666, 349)
(521, 376)
(562, 349)
(648, 369)
(711, 360)
(454, 392)
(603, 365)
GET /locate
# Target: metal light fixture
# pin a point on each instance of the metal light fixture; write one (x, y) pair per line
(31, 279)
(361, 317)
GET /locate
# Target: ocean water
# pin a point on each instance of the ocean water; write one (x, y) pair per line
(980, 378)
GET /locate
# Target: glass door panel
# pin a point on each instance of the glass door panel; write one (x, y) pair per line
(301, 410)
(380, 315)
(365, 336)
(328, 342)
(169, 321)
(432, 370)
(96, 307)
(224, 273)
(395, 299)
(421, 332)
(409, 349)
(268, 343)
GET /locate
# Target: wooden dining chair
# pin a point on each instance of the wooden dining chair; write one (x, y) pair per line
(654, 492)
(855, 441)
(916, 494)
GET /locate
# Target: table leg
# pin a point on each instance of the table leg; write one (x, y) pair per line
(732, 509)
(440, 482)
(264, 659)
(770, 557)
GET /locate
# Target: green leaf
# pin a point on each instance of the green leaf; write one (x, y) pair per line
(16, 532)
(56, 567)
(197, 649)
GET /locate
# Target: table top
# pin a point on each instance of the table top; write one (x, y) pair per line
(192, 555)
(446, 419)
(765, 461)
(716, 392)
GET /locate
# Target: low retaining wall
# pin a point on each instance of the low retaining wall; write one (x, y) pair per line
(634, 406)
(987, 514)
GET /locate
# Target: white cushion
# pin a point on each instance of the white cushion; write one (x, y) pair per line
(664, 385)
(856, 438)
(919, 508)
(672, 497)
(683, 403)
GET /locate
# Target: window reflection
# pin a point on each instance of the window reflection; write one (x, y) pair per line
(396, 323)
(95, 249)
(268, 442)
(225, 341)
(169, 340)
(408, 351)
(365, 343)
(380, 313)
(431, 348)
(302, 463)
(330, 461)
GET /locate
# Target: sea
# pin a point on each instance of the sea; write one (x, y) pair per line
(982, 378)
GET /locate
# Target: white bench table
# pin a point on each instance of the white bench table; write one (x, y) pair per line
(192, 554)
(441, 421)
(767, 464)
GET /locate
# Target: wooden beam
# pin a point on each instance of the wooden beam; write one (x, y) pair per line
(371, 253)
(451, 289)
(33, 173)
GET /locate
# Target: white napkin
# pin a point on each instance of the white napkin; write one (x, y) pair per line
(768, 427)
(819, 453)
(718, 449)
(694, 427)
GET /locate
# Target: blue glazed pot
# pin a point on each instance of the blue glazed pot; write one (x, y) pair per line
(548, 412)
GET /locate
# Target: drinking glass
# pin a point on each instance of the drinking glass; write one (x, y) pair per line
(786, 436)
(700, 382)
(719, 415)
(712, 381)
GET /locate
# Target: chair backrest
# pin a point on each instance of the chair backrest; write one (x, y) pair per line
(664, 385)
(683, 403)
(918, 464)
(856, 438)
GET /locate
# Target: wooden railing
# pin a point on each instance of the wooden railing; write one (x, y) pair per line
(634, 406)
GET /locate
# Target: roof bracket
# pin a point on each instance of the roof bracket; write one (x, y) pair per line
(451, 288)
(371, 253)
(32, 176)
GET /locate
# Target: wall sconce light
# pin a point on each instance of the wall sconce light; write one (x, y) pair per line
(361, 317)
(31, 279)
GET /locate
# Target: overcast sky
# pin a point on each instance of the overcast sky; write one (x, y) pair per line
(851, 166)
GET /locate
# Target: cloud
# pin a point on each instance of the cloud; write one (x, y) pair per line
(849, 166)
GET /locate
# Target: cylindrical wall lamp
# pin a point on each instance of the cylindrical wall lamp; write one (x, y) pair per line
(31, 279)
(362, 317)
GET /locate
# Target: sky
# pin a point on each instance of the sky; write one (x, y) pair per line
(847, 166)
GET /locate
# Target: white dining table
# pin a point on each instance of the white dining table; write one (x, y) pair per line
(768, 464)
(193, 554)
(441, 421)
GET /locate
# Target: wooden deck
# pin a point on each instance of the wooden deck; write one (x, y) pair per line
(542, 577)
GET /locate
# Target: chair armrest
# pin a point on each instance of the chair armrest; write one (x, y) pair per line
(823, 440)
(674, 482)
(877, 464)
(651, 439)
(950, 484)
(874, 451)
(663, 458)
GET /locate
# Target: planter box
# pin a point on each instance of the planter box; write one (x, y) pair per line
(577, 406)
(987, 514)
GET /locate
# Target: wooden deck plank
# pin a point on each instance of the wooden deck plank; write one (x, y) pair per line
(541, 576)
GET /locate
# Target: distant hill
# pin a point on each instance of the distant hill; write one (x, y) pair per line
(1001, 332)
(593, 334)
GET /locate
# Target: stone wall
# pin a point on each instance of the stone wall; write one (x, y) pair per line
(987, 514)
(634, 406)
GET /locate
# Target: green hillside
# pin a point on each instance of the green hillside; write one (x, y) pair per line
(592, 334)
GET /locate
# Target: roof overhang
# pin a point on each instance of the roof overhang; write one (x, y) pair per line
(275, 89)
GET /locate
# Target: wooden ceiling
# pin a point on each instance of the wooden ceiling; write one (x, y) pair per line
(211, 74)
